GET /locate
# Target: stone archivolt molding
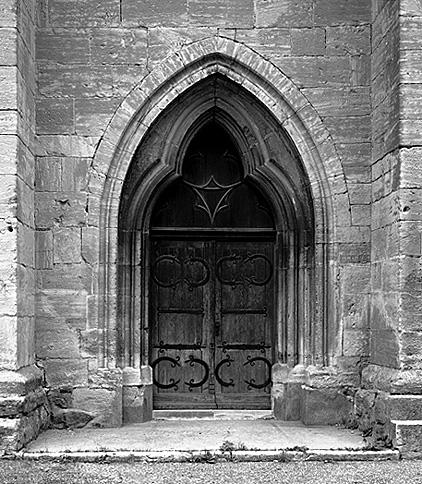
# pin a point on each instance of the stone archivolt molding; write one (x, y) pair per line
(119, 310)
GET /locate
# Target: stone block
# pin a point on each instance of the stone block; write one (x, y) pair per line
(354, 253)
(48, 174)
(344, 101)
(9, 123)
(94, 115)
(74, 277)
(410, 170)
(325, 407)
(270, 43)
(284, 13)
(349, 40)
(137, 404)
(62, 372)
(352, 129)
(356, 161)
(410, 28)
(55, 116)
(342, 12)
(9, 340)
(59, 145)
(67, 245)
(405, 407)
(25, 245)
(140, 13)
(355, 311)
(84, 13)
(21, 382)
(65, 209)
(361, 70)
(119, 46)
(8, 42)
(356, 279)
(62, 46)
(322, 71)
(385, 348)
(61, 303)
(236, 13)
(104, 404)
(286, 401)
(74, 176)
(308, 41)
(43, 249)
(409, 438)
(355, 342)
(75, 81)
(69, 418)
(90, 244)
(8, 87)
(58, 341)
(8, 13)
(361, 214)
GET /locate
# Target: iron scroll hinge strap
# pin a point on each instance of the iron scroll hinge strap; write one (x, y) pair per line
(251, 383)
(227, 361)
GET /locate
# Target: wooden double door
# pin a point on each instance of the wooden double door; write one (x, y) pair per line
(212, 322)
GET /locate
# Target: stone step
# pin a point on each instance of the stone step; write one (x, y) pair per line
(212, 414)
(409, 437)
(406, 407)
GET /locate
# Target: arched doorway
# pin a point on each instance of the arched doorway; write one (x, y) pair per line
(261, 163)
(212, 282)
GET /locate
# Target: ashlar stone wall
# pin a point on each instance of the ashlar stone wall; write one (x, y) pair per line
(89, 57)
(68, 66)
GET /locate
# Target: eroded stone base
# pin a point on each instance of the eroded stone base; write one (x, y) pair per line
(24, 409)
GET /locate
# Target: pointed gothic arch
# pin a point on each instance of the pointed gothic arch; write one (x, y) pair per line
(306, 197)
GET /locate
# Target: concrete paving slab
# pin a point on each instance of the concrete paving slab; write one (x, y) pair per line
(198, 435)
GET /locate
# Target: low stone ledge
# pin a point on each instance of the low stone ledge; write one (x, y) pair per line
(216, 456)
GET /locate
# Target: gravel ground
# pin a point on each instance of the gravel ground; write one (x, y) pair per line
(30, 472)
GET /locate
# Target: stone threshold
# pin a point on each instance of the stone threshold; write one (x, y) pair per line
(213, 456)
(212, 414)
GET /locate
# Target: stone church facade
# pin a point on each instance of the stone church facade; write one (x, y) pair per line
(211, 204)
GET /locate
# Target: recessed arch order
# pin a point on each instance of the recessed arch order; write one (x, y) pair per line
(286, 153)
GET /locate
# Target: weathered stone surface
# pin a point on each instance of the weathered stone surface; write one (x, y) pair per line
(67, 245)
(342, 11)
(348, 40)
(237, 13)
(8, 41)
(145, 13)
(118, 46)
(137, 404)
(55, 116)
(92, 116)
(70, 418)
(62, 372)
(353, 101)
(8, 88)
(284, 13)
(104, 404)
(308, 41)
(83, 13)
(63, 46)
(318, 71)
(59, 208)
(324, 406)
(272, 44)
